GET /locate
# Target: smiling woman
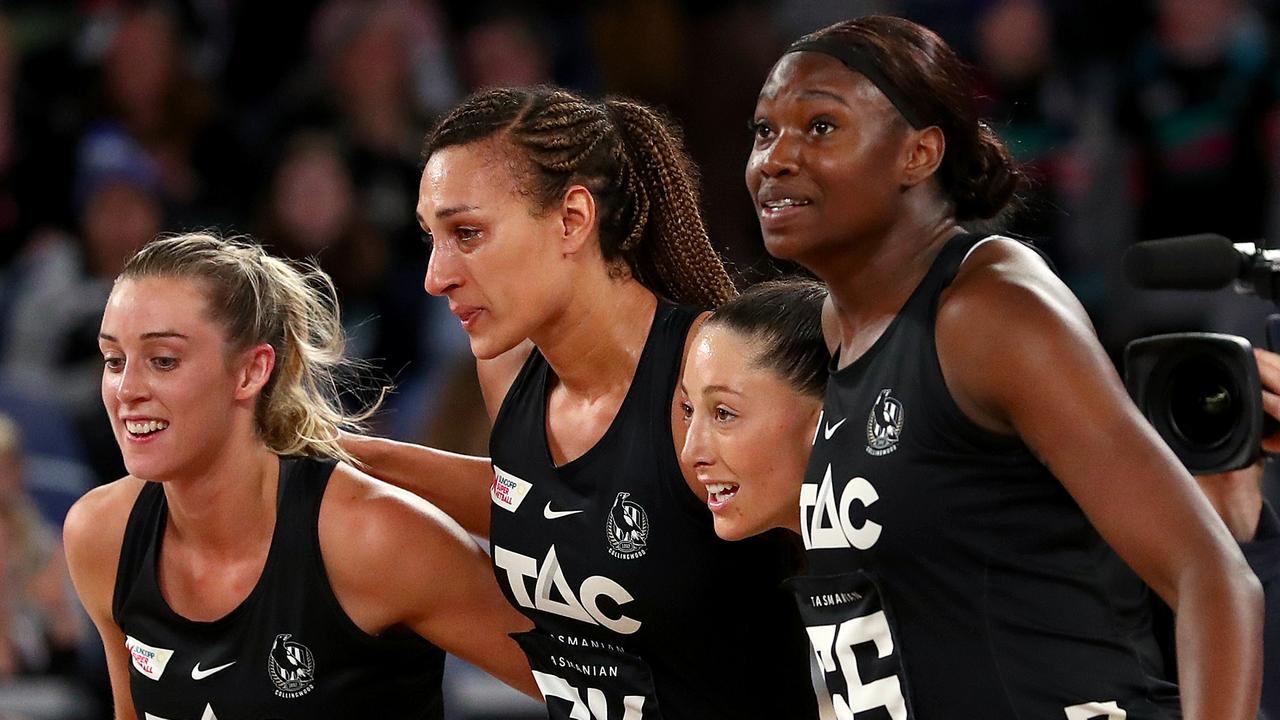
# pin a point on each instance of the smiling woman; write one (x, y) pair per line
(751, 394)
(150, 330)
(221, 572)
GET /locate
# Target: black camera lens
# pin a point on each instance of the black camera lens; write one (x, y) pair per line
(1203, 401)
(1202, 393)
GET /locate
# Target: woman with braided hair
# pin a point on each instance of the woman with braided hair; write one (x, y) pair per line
(566, 235)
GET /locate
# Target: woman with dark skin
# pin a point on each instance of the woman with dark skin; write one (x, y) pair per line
(962, 518)
(752, 391)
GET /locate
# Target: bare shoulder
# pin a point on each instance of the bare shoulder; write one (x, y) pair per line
(385, 549)
(1003, 287)
(92, 536)
(1006, 327)
(95, 524)
(375, 517)
(368, 527)
(497, 375)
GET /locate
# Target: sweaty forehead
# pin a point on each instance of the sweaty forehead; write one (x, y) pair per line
(457, 166)
(813, 75)
(470, 175)
(728, 350)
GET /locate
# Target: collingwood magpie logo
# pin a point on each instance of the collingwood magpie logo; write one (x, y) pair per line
(291, 667)
(884, 425)
(627, 528)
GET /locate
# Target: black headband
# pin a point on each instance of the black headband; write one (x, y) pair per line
(859, 60)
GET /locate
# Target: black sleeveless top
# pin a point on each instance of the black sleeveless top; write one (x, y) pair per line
(641, 611)
(287, 651)
(950, 574)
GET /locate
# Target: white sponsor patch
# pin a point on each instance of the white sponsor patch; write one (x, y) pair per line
(148, 660)
(508, 491)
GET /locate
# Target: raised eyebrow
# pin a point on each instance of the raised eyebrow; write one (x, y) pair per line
(720, 388)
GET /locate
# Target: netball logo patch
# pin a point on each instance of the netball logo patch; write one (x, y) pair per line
(292, 667)
(627, 528)
(884, 425)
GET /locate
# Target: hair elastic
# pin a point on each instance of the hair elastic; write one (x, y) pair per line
(859, 60)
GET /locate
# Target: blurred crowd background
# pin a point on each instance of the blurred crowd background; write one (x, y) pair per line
(300, 122)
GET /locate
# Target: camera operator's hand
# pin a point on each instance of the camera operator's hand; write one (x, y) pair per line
(1269, 372)
(1237, 495)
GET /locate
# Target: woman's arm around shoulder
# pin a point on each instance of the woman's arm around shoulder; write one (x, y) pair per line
(92, 536)
(1020, 357)
(457, 484)
(394, 559)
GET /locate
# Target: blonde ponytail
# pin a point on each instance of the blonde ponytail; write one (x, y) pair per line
(292, 307)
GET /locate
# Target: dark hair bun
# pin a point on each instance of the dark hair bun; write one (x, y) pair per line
(991, 183)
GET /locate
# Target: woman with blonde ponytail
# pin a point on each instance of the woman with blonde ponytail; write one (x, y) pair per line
(243, 568)
(566, 235)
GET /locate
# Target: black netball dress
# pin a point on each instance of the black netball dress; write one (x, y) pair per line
(641, 611)
(950, 574)
(287, 651)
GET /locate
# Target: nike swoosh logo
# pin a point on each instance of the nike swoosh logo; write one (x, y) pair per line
(198, 674)
(550, 514)
(831, 429)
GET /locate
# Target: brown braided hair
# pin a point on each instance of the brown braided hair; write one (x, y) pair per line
(628, 156)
